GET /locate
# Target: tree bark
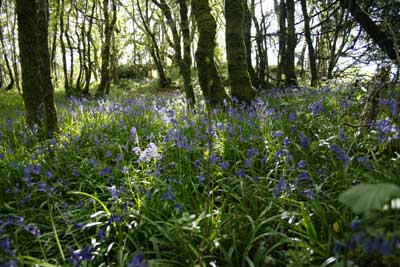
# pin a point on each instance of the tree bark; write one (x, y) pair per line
(291, 41)
(281, 10)
(209, 79)
(187, 57)
(38, 92)
(241, 87)
(105, 80)
(311, 51)
(247, 40)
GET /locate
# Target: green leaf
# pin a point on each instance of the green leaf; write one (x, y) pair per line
(367, 197)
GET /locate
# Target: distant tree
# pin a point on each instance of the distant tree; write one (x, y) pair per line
(239, 77)
(209, 78)
(109, 25)
(38, 92)
(311, 50)
(291, 41)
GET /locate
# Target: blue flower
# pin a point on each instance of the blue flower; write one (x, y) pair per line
(108, 154)
(106, 171)
(125, 170)
(1, 156)
(278, 188)
(301, 164)
(102, 234)
(303, 140)
(317, 108)
(138, 261)
(340, 154)
(114, 193)
(33, 229)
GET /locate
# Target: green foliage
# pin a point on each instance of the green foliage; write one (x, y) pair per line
(364, 198)
(132, 177)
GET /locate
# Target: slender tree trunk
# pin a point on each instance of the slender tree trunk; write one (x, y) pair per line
(88, 73)
(311, 51)
(62, 45)
(68, 90)
(247, 40)
(291, 41)
(9, 69)
(13, 37)
(239, 77)
(154, 50)
(282, 40)
(187, 57)
(209, 79)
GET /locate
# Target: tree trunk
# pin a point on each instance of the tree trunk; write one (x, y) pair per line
(154, 49)
(105, 80)
(239, 77)
(247, 40)
(281, 10)
(291, 41)
(187, 57)
(88, 72)
(38, 92)
(62, 45)
(209, 79)
(311, 51)
(9, 69)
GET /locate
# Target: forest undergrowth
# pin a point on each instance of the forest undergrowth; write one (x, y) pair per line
(141, 181)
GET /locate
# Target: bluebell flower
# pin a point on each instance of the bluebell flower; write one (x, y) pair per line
(138, 261)
(116, 219)
(241, 173)
(168, 195)
(340, 154)
(151, 152)
(102, 234)
(301, 164)
(114, 193)
(309, 193)
(355, 225)
(93, 162)
(178, 207)
(292, 117)
(278, 188)
(317, 108)
(1, 156)
(85, 254)
(277, 134)
(105, 171)
(33, 229)
(337, 249)
(6, 246)
(303, 177)
(125, 170)
(286, 142)
(201, 177)
(108, 154)
(303, 140)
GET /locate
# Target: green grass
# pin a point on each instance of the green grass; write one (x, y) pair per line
(138, 175)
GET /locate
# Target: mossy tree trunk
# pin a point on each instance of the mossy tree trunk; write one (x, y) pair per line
(239, 77)
(38, 92)
(109, 24)
(291, 41)
(187, 57)
(209, 79)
